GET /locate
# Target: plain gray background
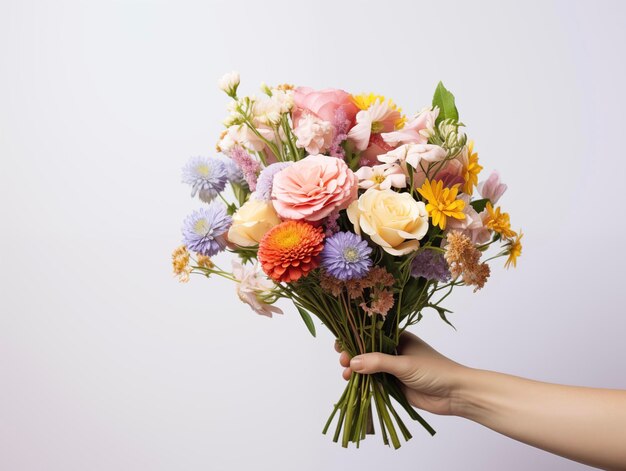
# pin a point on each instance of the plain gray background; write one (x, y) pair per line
(107, 363)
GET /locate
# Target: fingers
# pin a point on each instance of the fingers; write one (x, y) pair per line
(370, 363)
(337, 347)
(344, 359)
(347, 372)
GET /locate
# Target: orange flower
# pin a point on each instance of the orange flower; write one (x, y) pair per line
(290, 250)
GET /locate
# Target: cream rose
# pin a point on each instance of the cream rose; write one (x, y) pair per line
(251, 222)
(395, 221)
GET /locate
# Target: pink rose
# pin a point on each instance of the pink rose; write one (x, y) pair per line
(323, 104)
(313, 187)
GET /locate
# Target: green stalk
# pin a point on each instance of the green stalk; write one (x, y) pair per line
(350, 410)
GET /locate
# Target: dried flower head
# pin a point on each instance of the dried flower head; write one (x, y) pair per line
(464, 260)
(180, 263)
(204, 261)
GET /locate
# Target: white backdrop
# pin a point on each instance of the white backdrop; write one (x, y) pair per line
(107, 363)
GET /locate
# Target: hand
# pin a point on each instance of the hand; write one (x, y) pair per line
(430, 380)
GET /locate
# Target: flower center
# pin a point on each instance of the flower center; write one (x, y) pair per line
(201, 227)
(203, 170)
(379, 178)
(377, 127)
(350, 254)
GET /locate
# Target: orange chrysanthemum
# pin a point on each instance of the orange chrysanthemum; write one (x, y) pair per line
(290, 250)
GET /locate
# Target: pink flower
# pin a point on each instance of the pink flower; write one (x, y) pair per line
(416, 131)
(380, 117)
(473, 224)
(381, 177)
(492, 188)
(313, 187)
(322, 103)
(376, 147)
(313, 134)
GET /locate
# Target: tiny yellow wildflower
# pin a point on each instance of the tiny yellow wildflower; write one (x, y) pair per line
(499, 222)
(442, 202)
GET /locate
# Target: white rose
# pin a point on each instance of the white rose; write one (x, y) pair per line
(251, 222)
(395, 221)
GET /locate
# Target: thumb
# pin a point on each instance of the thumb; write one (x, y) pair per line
(369, 363)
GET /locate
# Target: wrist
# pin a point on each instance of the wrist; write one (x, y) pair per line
(465, 395)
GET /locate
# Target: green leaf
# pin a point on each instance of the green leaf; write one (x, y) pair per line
(444, 100)
(479, 205)
(306, 317)
(442, 313)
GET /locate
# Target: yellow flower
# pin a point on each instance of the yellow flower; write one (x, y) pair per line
(442, 202)
(515, 250)
(499, 222)
(471, 170)
(180, 263)
(364, 101)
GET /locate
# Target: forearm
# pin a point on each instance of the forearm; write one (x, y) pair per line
(583, 424)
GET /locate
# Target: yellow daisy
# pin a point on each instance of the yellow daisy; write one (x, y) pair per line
(442, 202)
(499, 222)
(471, 170)
(515, 250)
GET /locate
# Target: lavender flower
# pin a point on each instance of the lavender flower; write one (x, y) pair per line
(331, 225)
(341, 125)
(266, 179)
(430, 265)
(346, 256)
(204, 231)
(206, 176)
(248, 165)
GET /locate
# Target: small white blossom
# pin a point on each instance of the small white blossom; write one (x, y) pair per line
(229, 83)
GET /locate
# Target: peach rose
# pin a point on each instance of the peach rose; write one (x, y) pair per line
(395, 221)
(251, 222)
(323, 104)
(313, 187)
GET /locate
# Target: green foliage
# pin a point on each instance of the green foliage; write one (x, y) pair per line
(444, 100)
(479, 205)
(308, 321)
(247, 254)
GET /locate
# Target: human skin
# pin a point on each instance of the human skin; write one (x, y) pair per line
(583, 424)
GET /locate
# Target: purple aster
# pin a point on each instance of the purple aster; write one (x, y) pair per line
(233, 173)
(266, 179)
(206, 176)
(430, 265)
(204, 231)
(346, 256)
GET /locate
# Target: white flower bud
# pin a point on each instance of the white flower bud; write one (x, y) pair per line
(229, 83)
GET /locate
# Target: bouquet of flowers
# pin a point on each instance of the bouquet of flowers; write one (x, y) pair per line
(361, 216)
